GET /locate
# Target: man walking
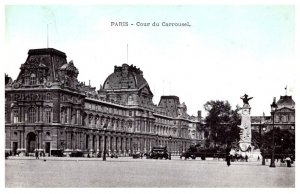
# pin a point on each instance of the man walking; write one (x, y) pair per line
(227, 150)
(36, 154)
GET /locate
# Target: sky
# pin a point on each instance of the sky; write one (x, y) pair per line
(228, 50)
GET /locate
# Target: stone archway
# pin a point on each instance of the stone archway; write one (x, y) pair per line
(30, 143)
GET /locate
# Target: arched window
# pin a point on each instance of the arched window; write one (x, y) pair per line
(15, 116)
(130, 124)
(48, 114)
(48, 96)
(32, 79)
(130, 100)
(31, 115)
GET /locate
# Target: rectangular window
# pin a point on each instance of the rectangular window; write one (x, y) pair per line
(26, 80)
(48, 115)
(277, 118)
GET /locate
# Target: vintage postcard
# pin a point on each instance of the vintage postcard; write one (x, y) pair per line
(149, 95)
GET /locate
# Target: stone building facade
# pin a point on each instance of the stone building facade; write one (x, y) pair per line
(284, 117)
(47, 109)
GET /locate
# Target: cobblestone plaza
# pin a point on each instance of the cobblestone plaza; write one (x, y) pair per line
(127, 172)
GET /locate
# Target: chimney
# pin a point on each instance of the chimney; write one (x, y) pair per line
(199, 115)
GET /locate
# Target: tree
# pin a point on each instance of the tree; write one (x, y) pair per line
(222, 121)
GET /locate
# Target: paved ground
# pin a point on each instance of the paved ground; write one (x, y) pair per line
(128, 172)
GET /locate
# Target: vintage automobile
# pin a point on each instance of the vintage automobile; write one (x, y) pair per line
(159, 152)
(187, 155)
(136, 155)
(195, 151)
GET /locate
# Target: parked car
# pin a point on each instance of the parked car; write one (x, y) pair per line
(159, 152)
(187, 155)
(136, 155)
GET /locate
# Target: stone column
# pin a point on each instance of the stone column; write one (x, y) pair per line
(97, 144)
(109, 143)
(102, 143)
(90, 142)
(122, 145)
(114, 149)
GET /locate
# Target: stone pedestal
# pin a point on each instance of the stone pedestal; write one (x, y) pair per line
(245, 133)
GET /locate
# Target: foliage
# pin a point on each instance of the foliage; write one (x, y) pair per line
(222, 121)
(283, 139)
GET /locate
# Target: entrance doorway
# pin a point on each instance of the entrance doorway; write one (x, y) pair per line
(14, 148)
(30, 143)
(47, 148)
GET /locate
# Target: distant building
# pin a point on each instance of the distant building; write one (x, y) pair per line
(48, 110)
(284, 117)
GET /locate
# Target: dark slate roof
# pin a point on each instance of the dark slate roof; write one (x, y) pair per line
(286, 101)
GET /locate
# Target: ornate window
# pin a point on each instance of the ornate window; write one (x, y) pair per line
(284, 118)
(32, 79)
(27, 80)
(31, 115)
(15, 116)
(130, 100)
(277, 118)
(130, 124)
(292, 118)
(48, 96)
(48, 114)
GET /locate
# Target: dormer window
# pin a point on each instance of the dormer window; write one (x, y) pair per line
(32, 79)
(27, 80)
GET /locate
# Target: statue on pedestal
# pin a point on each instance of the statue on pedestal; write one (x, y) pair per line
(245, 134)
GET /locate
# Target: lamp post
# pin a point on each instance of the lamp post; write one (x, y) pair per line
(273, 110)
(263, 152)
(170, 139)
(282, 150)
(262, 144)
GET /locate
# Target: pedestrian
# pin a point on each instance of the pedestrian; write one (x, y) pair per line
(228, 160)
(288, 162)
(258, 158)
(36, 154)
(246, 158)
(227, 150)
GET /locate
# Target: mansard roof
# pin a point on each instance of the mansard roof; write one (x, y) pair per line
(47, 58)
(286, 102)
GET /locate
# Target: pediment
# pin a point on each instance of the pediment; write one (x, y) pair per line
(145, 90)
(285, 109)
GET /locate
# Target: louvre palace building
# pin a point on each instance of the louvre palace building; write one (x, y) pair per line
(48, 110)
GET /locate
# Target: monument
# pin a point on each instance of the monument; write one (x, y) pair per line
(245, 133)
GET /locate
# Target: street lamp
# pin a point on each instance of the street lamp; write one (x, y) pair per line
(170, 138)
(262, 144)
(273, 110)
(282, 150)
(263, 151)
